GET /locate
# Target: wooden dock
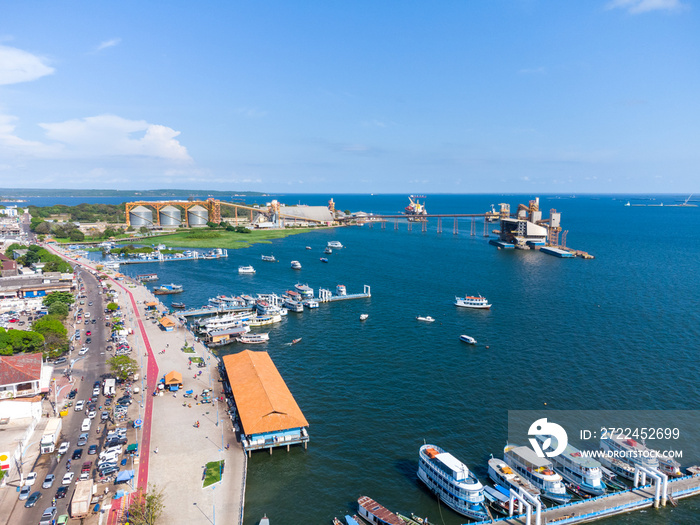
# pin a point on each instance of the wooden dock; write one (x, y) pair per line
(608, 505)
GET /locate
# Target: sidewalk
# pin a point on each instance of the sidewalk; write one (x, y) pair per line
(183, 450)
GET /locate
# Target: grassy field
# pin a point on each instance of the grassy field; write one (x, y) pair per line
(224, 239)
(213, 473)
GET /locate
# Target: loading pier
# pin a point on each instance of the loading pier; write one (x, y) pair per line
(583, 511)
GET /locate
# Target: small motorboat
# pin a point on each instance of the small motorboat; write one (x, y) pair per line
(328, 249)
(296, 265)
(363, 317)
(308, 247)
(467, 339)
(246, 269)
(178, 305)
(265, 520)
(425, 318)
(324, 260)
(295, 341)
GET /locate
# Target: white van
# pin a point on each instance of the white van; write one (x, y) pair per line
(87, 423)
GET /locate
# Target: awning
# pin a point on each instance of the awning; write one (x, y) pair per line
(173, 378)
(125, 475)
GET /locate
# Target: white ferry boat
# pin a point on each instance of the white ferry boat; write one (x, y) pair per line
(296, 265)
(629, 451)
(501, 474)
(304, 290)
(467, 339)
(226, 321)
(265, 320)
(253, 339)
(227, 302)
(334, 244)
(246, 269)
(617, 467)
(471, 301)
(452, 482)
(537, 471)
(583, 472)
(293, 306)
(268, 258)
(310, 303)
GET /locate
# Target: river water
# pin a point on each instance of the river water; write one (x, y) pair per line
(617, 332)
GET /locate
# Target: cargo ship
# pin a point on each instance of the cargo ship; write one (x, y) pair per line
(416, 211)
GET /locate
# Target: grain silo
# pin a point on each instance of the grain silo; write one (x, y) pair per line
(170, 217)
(141, 216)
(197, 216)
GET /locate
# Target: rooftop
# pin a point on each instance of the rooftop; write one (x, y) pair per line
(21, 368)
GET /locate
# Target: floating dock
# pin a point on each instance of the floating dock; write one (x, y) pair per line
(608, 505)
(501, 244)
(557, 252)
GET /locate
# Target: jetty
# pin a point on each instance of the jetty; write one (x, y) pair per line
(194, 256)
(584, 511)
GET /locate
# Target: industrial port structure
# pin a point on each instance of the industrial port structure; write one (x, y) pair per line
(197, 213)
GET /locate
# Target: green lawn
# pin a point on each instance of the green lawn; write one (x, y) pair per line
(213, 473)
(207, 238)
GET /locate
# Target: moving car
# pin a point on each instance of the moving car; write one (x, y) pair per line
(68, 478)
(48, 481)
(92, 450)
(61, 492)
(64, 447)
(83, 439)
(79, 405)
(31, 501)
(24, 492)
(30, 479)
(48, 516)
(78, 453)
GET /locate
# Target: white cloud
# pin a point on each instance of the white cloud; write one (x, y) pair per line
(644, 6)
(20, 66)
(110, 135)
(17, 146)
(108, 43)
(251, 112)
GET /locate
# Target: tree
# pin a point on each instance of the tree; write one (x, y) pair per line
(143, 230)
(123, 366)
(212, 224)
(60, 297)
(54, 333)
(147, 507)
(242, 229)
(112, 307)
(60, 310)
(15, 341)
(76, 236)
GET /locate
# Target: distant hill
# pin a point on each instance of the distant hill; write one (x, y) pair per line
(127, 194)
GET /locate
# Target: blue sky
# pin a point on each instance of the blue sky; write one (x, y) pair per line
(349, 97)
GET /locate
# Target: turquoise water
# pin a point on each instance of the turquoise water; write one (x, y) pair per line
(617, 332)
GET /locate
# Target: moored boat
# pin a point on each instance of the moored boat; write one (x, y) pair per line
(296, 265)
(501, 474)
(467, 339)
(178, 305)
(537, 471)
(425, 318)
(334, 244)
(148, 277)
(310, 303)
(471, 301)
(246, 269)
(168, 289)
(452, 482)
(304, 290)
(293, 306)
(629, 451)
(363, 317)
(253, 339)
(582, 472)
(268, 258)
(341, 290)
(375, 514)
(353, 520)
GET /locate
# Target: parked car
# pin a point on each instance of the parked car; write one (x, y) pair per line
(91, 414)
(30, 479)
(48, 481)
(86, 466)
(109, 470)
(105, 415)
(68, 478)
(96, 391)
(60, 361)
(31, 501)
(88, 340)
(89, 332)
(92, 450)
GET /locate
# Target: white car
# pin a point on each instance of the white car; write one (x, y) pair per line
(64, 447)
(31, 478)
(84, 350)
(79, 405)
(96, 391)
(91, 414)
(68, 478)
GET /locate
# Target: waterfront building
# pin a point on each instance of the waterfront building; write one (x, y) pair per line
(267, 412)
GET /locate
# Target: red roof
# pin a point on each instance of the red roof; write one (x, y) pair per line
(20, 368)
